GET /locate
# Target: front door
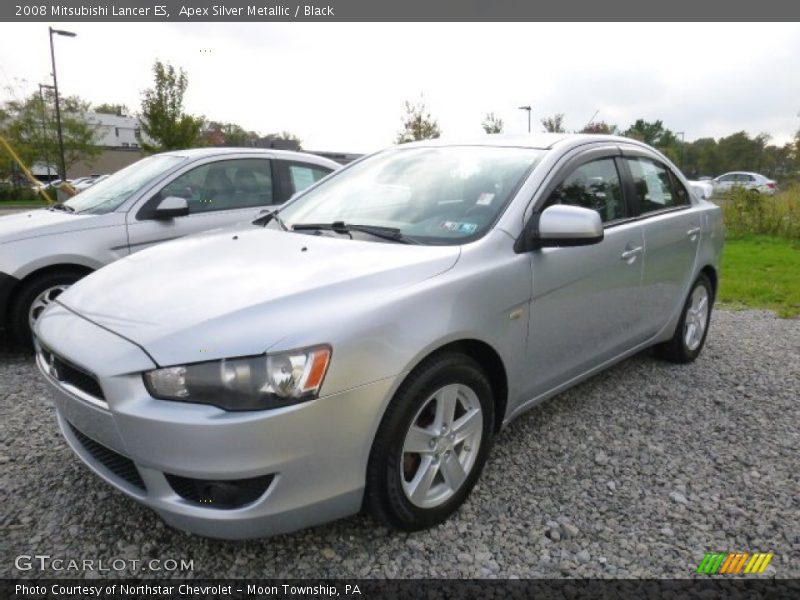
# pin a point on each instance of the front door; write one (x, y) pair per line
(586, 300)
(219, 193)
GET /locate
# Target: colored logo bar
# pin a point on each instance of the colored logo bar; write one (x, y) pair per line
(731, 563)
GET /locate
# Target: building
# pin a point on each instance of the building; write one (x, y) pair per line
(115, 131)
(117, 137)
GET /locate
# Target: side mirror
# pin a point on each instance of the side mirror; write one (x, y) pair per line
(171, 206)
(563, 225)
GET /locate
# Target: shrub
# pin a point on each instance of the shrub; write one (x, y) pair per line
(748, 213)
(18, 193)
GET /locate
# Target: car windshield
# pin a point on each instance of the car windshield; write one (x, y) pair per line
(106, 195)
(431, 195)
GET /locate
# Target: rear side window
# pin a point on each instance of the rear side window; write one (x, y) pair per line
(655, 188)
(303, 176)
(594, 185)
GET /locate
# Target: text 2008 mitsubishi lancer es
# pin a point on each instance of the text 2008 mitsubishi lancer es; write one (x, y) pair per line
(361, 349)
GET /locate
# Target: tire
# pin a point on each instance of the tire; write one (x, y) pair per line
(687, 343)
(392, 470)
(33, 291)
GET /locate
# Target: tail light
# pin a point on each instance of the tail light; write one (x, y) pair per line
(771, 185)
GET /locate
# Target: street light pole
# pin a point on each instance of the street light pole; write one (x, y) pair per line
(683, 144)
(528, 108)
(62, 164)
(44, 127)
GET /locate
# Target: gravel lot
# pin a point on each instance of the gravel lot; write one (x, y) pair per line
(635, 473)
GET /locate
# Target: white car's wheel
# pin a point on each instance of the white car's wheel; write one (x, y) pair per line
(34, 297)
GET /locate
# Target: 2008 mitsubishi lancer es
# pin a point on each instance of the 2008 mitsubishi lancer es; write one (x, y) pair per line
(363, 345)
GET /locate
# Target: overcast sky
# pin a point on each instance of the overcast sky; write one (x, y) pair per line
(341, 86)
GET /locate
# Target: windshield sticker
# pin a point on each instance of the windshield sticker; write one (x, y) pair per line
(485, 199)
(459, 227)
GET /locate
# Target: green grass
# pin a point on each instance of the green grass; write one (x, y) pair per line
(761, 271)
(22, 203)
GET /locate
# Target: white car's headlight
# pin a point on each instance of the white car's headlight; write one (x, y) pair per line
(247, 383)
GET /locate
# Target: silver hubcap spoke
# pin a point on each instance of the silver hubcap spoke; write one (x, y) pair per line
(446, 399)
(42, 301)
(696, 318)
(441, 445)
(468, 425)
(420, 486)
(418, 440)
(453, 472)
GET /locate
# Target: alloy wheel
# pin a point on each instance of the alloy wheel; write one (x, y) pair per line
(696, 318)
(42, 301)
(441, 446)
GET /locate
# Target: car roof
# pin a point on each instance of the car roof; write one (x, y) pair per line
(542, 141)
(283, 154)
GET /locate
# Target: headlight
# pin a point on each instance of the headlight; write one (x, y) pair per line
(248, 383)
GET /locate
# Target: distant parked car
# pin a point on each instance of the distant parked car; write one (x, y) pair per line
(745, 180)
(703, 186)
(88, 182)
(159, 198)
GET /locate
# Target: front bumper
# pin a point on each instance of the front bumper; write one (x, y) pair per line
(313, 455)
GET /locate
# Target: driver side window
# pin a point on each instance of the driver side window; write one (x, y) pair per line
(594, 185)
(224, 185)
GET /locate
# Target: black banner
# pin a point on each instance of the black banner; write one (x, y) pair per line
(368, 589)
(396, 10)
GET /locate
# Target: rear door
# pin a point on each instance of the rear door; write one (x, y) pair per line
(726, 182)
(586, 300)
(218, 192)
(672, 228)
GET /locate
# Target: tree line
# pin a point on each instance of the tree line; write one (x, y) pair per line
(702, 157)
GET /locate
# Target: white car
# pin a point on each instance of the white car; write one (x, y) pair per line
(159, 198)
(704, 188)
(88, 182)
(745, 180)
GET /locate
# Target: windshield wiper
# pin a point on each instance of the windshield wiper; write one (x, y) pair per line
(266, 218)
(386, 233)
(62, 206)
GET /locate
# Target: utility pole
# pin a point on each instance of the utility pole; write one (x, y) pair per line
(45, 153)
(62, 164)
(528, 108)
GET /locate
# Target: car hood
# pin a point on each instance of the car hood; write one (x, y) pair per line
(40, 222)
(239, 292)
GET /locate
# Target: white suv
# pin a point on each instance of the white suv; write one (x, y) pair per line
(158, 198)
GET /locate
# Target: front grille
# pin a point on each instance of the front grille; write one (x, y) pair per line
(68, 373)
(225, 493)
(121, 466)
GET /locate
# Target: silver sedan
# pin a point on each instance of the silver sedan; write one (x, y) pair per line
(361, 346)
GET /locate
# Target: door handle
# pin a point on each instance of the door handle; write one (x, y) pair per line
(631, 253)
(692, 233)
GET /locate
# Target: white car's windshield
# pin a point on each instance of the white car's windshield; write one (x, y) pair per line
(444, 195)
(106, 195)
